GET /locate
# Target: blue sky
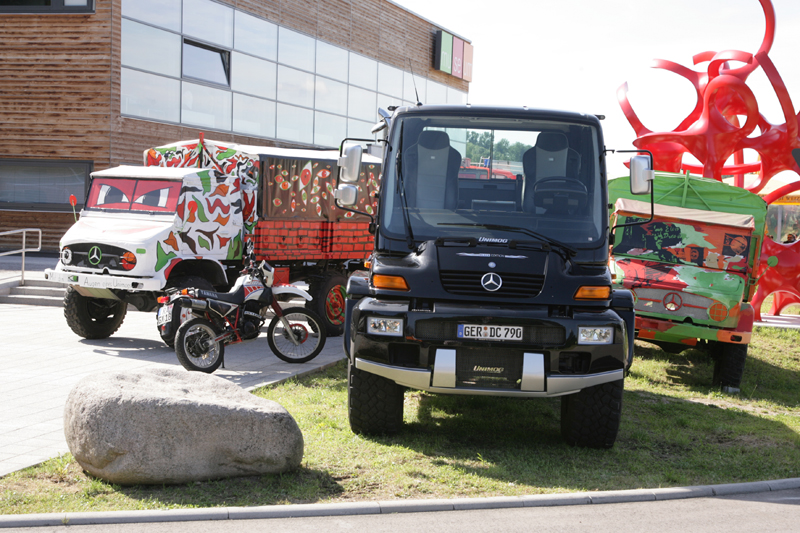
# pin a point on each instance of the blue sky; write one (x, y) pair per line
(574, 54)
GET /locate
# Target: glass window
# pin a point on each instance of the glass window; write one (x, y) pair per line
(151, 49)
(208, 21)
(295, 87)
(331, 61)
(363, 71)
(163, 13)
(295, 124)
(253, 116)
(150, 96)
(253, 76)
(126, 194)
(296, 49)
(437, 93)
(206, 63)
(390, 80)
(502, 192)
(331, 96)
(206, 106)
(256, 36)
(359, 129)
(42, 183)
(329, 130)
(362, 104)
(456, 97)
(409, 84)
(47, 6)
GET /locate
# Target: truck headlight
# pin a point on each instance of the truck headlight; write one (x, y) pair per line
(595, 335)
(385, 326)
(66, 255)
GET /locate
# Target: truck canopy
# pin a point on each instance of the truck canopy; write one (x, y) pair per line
(156, 173)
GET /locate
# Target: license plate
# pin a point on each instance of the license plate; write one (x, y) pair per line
(164, 315)
(490, 333)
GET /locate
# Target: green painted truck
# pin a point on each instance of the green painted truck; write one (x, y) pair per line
(692, 268)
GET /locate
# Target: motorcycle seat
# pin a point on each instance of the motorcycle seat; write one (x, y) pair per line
(236, 297)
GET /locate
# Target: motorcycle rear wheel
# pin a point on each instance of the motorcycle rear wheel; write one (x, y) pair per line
(308, 329)
(196, 348)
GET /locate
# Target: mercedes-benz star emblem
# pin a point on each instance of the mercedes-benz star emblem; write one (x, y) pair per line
(95, 255)
(672, 301)
(491, 281)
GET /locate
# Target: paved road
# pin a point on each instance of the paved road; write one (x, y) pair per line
(766, 511)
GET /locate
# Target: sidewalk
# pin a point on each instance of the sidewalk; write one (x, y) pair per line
(42, 360)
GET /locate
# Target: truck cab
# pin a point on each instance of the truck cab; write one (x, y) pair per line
(489, 287)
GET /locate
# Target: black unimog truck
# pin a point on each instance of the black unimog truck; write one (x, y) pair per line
(495, 287)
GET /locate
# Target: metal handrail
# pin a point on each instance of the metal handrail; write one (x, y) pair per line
(24, 248)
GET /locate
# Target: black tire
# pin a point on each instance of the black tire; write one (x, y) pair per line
(308, 329)
(180, 314)
(374, 403)
(93, 318)
(729, 364)
(195, 347)
(328, 302)
(590, 418)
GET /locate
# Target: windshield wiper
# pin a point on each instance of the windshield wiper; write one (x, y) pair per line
(568, 250)
(401, 185)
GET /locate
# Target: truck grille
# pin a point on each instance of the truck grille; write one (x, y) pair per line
(468, 283)
(439, 330)
(98, 256)
(486, 369)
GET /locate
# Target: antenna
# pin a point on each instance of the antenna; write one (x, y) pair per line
(413, 81)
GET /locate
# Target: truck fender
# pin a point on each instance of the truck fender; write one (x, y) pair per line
(291, 289)
(623, 303)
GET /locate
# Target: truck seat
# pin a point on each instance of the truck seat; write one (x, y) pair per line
(550, 157)
(431, 172)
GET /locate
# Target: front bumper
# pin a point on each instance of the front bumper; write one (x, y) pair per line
(442, 379)
(658, 329)
(101, 281)
(429, 356)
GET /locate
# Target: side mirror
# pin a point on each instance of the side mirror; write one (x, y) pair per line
(347, 195)
(350, 164)
(641, 175)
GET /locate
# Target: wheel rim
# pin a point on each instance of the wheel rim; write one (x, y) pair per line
(306, 331)
(198, 343)
(334, 305)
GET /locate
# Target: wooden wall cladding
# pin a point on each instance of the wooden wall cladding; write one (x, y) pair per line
(53, 226)
(55, 81)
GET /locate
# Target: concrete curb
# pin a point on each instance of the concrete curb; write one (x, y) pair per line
(395, 506)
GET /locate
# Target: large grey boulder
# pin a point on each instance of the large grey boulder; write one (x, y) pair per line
(172, 426)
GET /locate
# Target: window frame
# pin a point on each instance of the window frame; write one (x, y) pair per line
(56, 7)
(65, 207)
(225, 55)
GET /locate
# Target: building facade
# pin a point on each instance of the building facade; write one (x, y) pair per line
(89, 84)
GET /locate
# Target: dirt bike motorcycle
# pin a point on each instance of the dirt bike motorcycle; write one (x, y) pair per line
(295, 335)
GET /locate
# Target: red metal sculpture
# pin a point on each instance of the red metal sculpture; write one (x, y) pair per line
(713, 133)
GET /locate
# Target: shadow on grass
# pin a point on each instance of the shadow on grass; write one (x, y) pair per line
(663, 441)
(303, 485)
(763, 379)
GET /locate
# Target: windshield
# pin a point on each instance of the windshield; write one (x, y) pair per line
(128, 194)
(458, 175)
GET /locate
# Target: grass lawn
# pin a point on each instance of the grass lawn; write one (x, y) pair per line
(676, 430)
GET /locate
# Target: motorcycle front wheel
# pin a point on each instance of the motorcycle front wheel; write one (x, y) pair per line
(196, 348)
(303, 341)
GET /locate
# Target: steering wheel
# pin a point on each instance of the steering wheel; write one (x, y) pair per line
(560, 193)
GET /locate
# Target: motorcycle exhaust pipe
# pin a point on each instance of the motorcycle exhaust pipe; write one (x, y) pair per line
(197, 305)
